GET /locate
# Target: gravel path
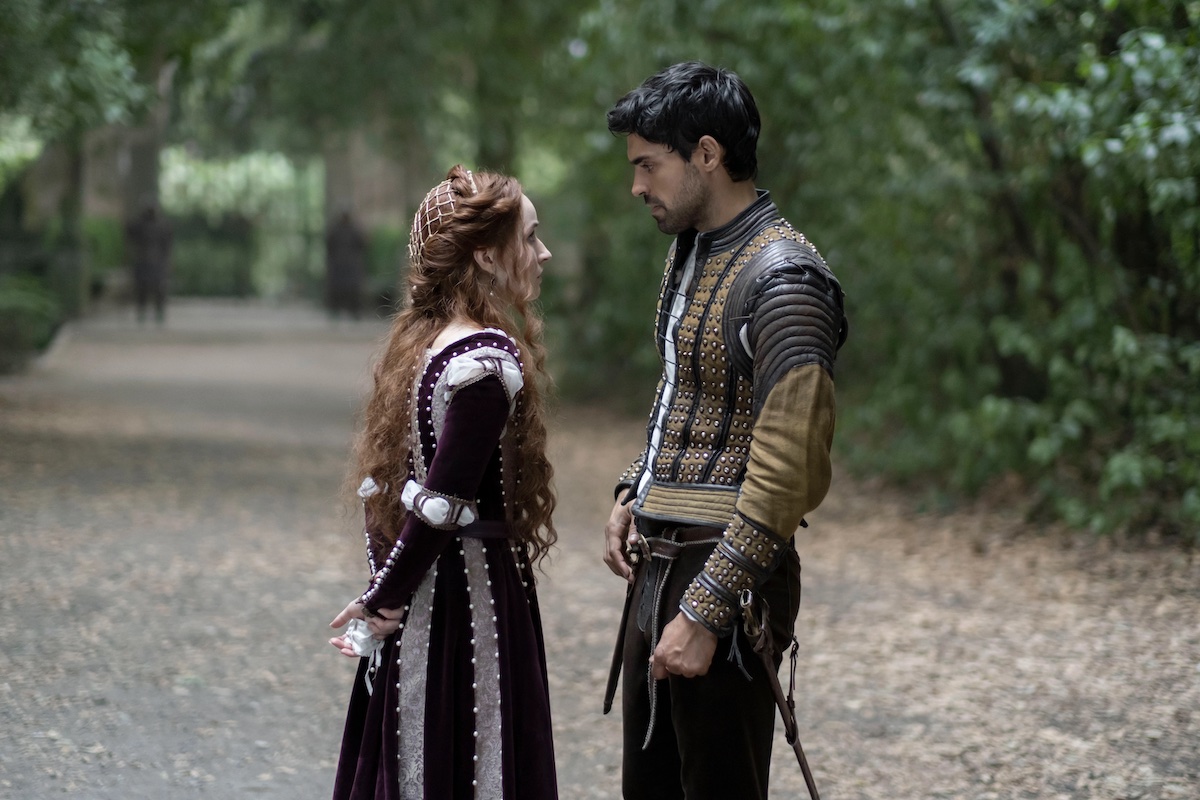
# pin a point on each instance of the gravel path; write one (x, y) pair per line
(174, 538)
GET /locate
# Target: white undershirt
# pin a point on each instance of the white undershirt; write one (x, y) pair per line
(670, 371)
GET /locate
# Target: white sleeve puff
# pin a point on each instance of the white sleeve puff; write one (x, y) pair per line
(465, 369)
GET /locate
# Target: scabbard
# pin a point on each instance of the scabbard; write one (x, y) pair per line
(758, 629)
(790, 728)
(614, 670)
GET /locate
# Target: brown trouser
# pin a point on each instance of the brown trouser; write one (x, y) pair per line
(712, 734)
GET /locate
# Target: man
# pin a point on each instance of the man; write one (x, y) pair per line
(749, 323)
(345, 266)
(148, 239)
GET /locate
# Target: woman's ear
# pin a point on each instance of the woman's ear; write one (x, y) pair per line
(485, 259)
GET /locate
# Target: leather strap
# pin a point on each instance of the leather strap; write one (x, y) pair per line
(756, 619)
(618, 656)
(672, 541)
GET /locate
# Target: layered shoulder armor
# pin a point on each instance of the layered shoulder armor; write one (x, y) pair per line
(785, 309)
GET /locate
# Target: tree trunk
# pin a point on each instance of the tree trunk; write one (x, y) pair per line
(143, 143)
(70, 268)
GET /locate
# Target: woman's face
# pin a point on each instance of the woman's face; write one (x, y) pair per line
(530, 255)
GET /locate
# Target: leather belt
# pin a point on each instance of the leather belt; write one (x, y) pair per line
(660, 553)
(673, 540)
(695, 533)
(652, 552)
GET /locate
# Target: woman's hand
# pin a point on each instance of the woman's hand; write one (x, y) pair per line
(382, 624)
(385, 622)
(352, 611)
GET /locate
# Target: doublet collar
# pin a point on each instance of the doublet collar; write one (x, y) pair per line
(749, 222)
(733, 233)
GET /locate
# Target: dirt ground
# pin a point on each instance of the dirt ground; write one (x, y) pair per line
(174, 537)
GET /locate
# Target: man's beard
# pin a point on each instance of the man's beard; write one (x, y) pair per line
(689, 203)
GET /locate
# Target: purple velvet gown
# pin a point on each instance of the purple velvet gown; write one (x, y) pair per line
(459, 704)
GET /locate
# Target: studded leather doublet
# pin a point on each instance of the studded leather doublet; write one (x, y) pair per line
(706, 434)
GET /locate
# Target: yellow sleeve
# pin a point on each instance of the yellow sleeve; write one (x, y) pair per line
(787, 476)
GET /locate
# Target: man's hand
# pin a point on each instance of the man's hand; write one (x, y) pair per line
(686, 649)
(618, 534)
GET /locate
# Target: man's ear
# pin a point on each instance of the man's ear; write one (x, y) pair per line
(708, 154)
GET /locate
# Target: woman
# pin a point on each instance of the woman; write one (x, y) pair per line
(452, 699)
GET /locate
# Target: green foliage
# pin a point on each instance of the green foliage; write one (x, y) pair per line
(29, 315)
(264, 212)
(72, 65)
(1007, 189)
(211, 261)
(289, 75)
(387, 253)
(1066, 143)
(602, 317)
(1008, 193)
(104, 244)
(18, 147)
(65, 65)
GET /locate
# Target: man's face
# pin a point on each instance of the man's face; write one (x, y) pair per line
(673, 188)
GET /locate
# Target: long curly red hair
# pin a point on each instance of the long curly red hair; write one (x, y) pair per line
(445, 283)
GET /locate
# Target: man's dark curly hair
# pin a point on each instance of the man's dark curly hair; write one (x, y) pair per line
(677, 106)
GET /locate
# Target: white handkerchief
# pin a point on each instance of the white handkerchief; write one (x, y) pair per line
(360, 638)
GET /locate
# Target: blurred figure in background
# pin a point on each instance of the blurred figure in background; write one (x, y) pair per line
(345, 266)
(148, 239)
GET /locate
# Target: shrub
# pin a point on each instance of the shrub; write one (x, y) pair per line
(29, 316)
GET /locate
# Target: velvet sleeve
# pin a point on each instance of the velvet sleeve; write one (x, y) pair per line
(475, 419)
